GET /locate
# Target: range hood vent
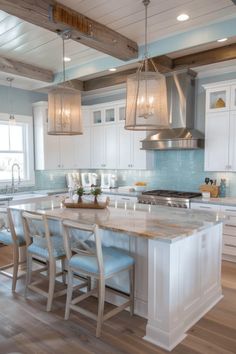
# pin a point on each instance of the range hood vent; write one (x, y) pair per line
(181, 108)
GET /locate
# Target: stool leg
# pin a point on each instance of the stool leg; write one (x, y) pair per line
(52, 278)
(69, 292)
(63, 264)
(15, 265)
(131, 279)
(101, 299)
(28, 272)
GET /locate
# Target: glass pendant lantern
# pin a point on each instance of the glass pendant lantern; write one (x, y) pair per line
(64, 106)
(146, 97)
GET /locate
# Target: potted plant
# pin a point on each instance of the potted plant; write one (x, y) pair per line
(80, 192)
(96, 192)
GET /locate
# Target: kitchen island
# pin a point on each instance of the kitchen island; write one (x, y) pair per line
(177, 254)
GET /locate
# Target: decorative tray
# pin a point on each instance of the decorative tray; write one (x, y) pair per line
(87, 205)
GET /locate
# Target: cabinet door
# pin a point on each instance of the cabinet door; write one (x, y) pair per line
(217, 142)
(67, 153)
(111, 146)
(82, 149)
(232, 141)
(139, 157)
(51, 152)
(124, 147)
(98, 147)
(218, 99)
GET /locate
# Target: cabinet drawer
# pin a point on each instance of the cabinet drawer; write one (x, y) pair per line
(203, 206)
(229, 230)
(229, 245)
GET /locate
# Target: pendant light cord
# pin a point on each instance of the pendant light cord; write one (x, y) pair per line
(146, 3)
(63, 59)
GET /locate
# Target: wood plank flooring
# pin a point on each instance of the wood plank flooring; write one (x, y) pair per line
(26, 328)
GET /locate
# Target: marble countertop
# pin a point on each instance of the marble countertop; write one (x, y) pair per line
(153, 222)
(220, 201)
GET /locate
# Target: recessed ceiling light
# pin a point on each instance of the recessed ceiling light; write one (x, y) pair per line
(183, 17)
(66, 59)
(222, 40)
(112, 69)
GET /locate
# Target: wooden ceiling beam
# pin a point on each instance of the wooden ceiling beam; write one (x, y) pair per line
(108, 80)
(74, 84)
(15, 67)
(165, 64)
(211, 56)
(55, 17)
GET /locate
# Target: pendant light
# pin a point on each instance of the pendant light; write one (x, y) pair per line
(64, 105)
(11, 119)
(146, 98)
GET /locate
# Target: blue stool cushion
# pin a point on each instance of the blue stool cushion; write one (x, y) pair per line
(6, 238)
(114, 260)
(39, 247)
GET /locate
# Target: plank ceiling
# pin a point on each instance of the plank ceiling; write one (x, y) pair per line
(28, 43)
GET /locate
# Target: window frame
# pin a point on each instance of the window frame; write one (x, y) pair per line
(28, 149)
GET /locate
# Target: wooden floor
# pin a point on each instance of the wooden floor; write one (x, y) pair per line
(25, 327)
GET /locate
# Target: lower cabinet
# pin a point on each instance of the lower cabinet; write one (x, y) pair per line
(228, 213)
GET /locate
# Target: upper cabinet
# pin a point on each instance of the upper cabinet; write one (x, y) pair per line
(220, 132)
(104, 144)
(59, 152)
(218, 99)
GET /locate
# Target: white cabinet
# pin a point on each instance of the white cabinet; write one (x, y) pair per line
(220, 134)
(104, 146)
(218, 98)
(217, 142)
(130, 154)
(220, 141)
(46, 146)
(228, 215)
(82, 143)
(59, 152)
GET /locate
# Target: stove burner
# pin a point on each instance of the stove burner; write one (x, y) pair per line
(168, 197)
(170, 193)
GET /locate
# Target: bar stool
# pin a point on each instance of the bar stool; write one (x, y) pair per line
(12, 235)
(101, 263)
(43, 246)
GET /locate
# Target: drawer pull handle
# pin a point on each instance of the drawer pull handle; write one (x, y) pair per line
(234, 211)
(125, 198)
(229, 245)
(205, 207)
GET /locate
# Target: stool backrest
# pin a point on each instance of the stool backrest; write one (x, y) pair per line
(36, 225)
(77, 238)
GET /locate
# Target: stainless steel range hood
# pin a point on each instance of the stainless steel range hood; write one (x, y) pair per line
(181, 108)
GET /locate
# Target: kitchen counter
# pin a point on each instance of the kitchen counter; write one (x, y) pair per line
(153, 222)
(227, 201)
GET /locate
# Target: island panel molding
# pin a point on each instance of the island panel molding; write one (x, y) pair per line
(55, 17)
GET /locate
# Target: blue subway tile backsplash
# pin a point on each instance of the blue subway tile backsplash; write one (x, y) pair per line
(175, 169)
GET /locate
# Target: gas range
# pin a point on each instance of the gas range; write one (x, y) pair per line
(168, 198)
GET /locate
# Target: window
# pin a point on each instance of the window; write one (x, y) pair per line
(16, 146)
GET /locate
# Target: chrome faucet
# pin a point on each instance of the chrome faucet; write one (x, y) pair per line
(13, 189)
